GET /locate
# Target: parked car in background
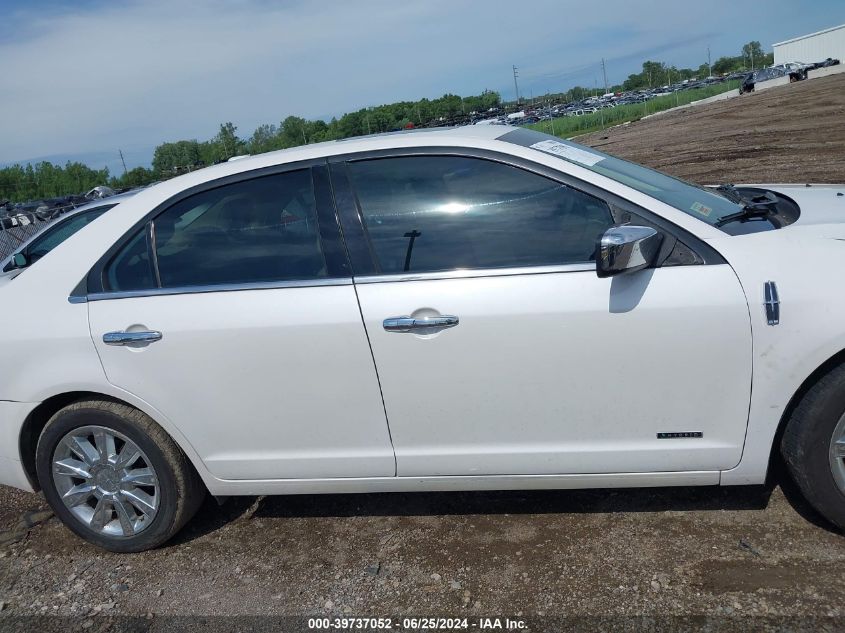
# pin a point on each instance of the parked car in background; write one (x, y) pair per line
(825, 63)
(772, 72)
(99, 192)
(477, 308)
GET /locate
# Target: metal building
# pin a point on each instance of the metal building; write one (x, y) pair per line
(813, 47)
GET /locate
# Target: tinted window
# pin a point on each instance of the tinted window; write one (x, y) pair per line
(430, 213)
(691, 199)
(257, 230)
(57, 234)
(131, 268)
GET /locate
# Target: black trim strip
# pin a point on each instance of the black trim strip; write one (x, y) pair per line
(331, 239)
(355, 235)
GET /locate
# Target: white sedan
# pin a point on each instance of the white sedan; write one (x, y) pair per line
(464, 309)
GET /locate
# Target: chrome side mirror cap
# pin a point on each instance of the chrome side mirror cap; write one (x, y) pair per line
(627, 249)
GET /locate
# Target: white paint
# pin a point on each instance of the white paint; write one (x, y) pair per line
(813, 47)
(495, 482)
(565, 372)
(266, 383)
(541, 376)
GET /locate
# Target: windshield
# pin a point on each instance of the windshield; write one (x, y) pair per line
(691, 199)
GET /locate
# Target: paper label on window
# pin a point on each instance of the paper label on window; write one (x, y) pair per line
(700, 208)
(575, 154)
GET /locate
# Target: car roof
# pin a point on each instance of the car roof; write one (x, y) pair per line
(434, 136)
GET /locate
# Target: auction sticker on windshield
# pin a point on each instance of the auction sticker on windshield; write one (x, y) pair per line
(575, 154)
(700, 208)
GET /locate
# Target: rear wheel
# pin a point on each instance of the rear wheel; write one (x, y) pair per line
(813, 446)
(115, 477)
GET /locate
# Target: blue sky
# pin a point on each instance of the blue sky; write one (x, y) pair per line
(82, 79)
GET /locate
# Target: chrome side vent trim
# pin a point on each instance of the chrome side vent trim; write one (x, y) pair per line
(772, 303)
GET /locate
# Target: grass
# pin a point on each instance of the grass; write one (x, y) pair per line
(567, 127)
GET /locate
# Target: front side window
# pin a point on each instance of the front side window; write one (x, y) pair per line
(436, 213)
(259, 230)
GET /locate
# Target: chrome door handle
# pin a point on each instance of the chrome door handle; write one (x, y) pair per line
(131, 338)
(409, 324)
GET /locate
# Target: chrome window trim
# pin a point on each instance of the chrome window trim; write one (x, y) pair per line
(469, 273)
(190, 290)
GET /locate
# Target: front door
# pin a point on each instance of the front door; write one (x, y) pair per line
(526, 362)
(262, 360)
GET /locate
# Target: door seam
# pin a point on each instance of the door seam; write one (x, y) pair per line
(361, 313)
(378, 378)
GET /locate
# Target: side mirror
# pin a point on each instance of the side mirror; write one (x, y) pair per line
(20, 260)
(627, 249)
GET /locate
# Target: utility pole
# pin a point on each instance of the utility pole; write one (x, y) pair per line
(604, 72)
(120, 151)
(709, 67)
(516, 85)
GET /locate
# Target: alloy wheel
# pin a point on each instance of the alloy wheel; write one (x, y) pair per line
(837, 454)
(106, 481)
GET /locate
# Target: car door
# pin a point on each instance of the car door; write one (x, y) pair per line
(233, 313)
(499, 349)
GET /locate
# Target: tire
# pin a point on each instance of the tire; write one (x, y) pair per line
(173, 487)
(806, 445)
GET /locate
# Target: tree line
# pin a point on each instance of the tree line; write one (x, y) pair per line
(46, 180)
(174, 157)
(655, 74)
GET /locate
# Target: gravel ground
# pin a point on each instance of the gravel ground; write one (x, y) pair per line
(740, 557)
(725, 553)
(791, 133)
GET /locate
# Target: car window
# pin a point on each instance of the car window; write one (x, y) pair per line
(131, 268)
(55, 235)
(435, 213)
(693, 200)
(258, 230)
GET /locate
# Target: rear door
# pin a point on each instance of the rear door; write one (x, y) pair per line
(251, 339)
(501, 352)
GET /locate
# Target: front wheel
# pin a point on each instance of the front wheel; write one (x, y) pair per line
(813, 446)
(114, 477)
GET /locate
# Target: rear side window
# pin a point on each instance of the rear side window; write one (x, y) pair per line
(436, 213)
(258, 230)
(131, 268)
(54, 237)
